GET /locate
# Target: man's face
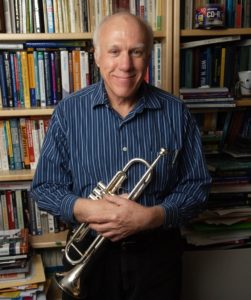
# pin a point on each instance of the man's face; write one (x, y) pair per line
(122, 57)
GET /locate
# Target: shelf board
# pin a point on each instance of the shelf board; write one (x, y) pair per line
(16, 175)
(215, 32)
(22, 37)
(16, 37)
(49, 240)
(25, 112)
(230, 188)
(243, 102)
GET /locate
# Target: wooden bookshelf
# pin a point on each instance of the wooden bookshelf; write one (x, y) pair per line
(214, 32)
(49, 240)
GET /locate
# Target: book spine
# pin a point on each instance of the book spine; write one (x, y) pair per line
(35, 138)
(24, 142)
(10, 212)
(3, 82)
(54, 99)
(48, 79)
(13, 80)
(30, 144)
(19, 203)
(4, 211)
(20, 79)
(9, 143)
(37, 23)
(25, 75)
(3, 148)
(41, 70)
(65, 73)
(8, 78)
(50, 16)
(76, 69)
(15, 143)
(32, 81)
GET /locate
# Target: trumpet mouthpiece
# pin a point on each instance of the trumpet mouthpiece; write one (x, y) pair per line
(163, 151)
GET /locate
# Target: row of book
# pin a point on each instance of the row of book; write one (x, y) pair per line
(61, 16)
(215, 65)
(21, 140)
(41, 77)
(237, 13)
(19, 210)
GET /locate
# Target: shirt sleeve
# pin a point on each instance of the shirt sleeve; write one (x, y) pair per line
(191, 180)
(52, 183)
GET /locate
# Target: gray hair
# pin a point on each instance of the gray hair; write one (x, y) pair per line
(145, 25)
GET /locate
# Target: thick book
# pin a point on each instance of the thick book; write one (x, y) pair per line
(14, 242)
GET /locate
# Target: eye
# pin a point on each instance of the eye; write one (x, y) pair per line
(114, 52)
(137, 52)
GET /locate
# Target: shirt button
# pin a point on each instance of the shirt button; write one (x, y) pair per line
(124, 149)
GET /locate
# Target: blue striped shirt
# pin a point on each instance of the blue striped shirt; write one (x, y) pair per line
(88, 142)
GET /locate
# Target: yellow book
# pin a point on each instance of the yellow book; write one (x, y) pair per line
(24, 143)
(25, 75)
(32, 80)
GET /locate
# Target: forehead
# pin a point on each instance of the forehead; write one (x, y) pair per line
(122, 29)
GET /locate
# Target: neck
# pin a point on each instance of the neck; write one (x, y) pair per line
(123, 107)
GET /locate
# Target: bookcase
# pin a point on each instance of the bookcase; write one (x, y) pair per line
(165, 36)
(220, 272)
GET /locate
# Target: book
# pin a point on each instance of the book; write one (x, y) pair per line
(37, 275)
(14, 242)
(211, 41)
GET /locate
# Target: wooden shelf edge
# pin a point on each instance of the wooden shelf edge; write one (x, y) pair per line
(24, 112)
(22, 37)
(214, 32)
(49, 240)
(16, 175)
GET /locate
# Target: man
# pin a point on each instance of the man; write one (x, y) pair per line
(93, 134)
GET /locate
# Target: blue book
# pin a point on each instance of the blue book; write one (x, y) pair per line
(54, 44)
(6, 56)
(3, 82)
(48, 79)
(20, 79)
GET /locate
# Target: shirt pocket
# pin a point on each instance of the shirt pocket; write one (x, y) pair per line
(164, 172)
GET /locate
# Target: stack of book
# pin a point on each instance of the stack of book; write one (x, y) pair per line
(204, 97)
(21, 275)
(14, 258)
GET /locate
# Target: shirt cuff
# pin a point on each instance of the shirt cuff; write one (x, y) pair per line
(67, 208)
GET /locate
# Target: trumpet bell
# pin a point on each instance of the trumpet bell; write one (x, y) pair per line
(68, 284)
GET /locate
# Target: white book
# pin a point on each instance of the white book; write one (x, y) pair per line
(24, 16)
(132, 6)
(157, 63)
(84, 69)
(11, 46)
(41, 79)
(37, 23)
(7, 16)
(65, 73)
(38, 219)
(3, 148)
(35, 138)
(51, 223)
(72, 16)
(205, 42)
(45, 17)
(41, 132)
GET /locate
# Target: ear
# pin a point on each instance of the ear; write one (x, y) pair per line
(96, 56)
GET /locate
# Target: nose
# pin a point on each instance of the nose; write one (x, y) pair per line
(125, 62)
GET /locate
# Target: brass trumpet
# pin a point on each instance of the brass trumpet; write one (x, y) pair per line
(69, 281)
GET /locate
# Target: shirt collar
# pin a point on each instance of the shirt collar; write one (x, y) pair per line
(147, 98)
